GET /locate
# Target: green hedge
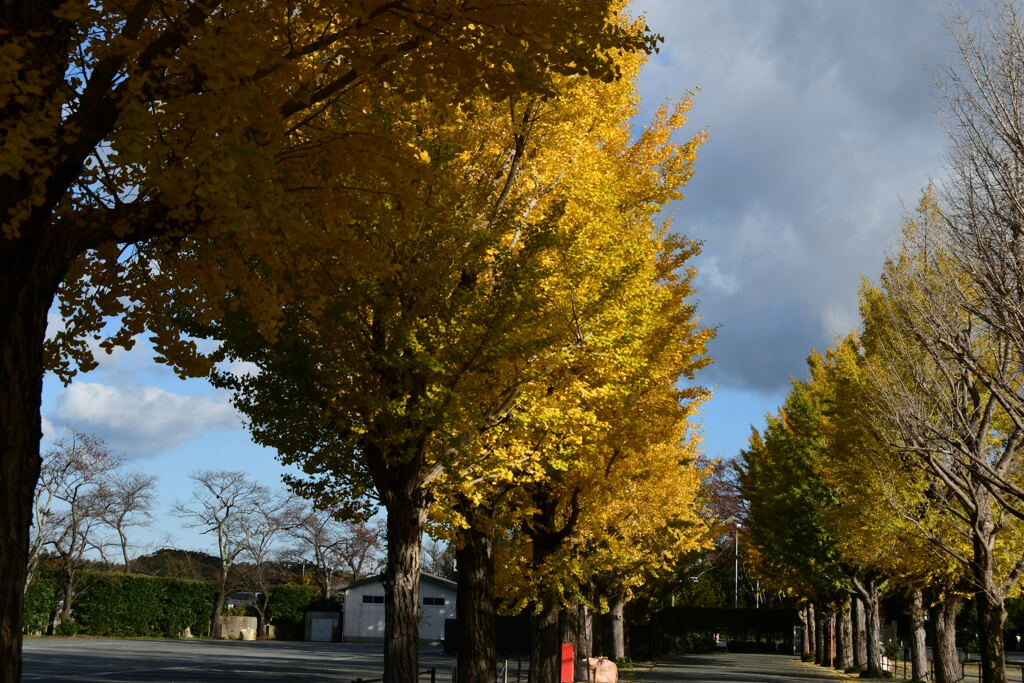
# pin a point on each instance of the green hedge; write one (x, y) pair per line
(135, 605)
(40, 602)
(286, 607)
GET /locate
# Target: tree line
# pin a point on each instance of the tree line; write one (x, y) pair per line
(87, 506)
(430, 229)
(895, 467)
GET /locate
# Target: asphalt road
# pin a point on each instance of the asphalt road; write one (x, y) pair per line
(97, 660)
(738, 668)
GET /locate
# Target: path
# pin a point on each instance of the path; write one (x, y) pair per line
(738, 668)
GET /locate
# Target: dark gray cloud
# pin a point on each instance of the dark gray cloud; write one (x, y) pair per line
(822, 125)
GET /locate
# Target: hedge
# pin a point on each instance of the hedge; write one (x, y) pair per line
(136, 605)
(40, 602)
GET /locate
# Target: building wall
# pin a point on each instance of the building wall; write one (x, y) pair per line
(432, 616)
(365, 621)
(362, 620)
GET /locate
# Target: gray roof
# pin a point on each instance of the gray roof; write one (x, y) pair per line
(424, 576)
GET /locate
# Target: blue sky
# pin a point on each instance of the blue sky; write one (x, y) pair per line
(822, 127)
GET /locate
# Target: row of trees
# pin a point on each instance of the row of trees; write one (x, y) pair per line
(162, 146)
(505, 371)
(430, 230)
(896, 466)
(86, 505)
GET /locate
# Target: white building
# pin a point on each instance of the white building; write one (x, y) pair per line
(363, 620)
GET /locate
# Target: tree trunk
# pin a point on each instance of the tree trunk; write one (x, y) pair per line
(918, 649)
(618, 613)
(988, 596)
(991, 621)
(402, 588)
(844, 648)
(830, 641)
(477, 650)
(585, 619)
(819, 638)
(942, 617)
(545, 651)
(812, 630)
(860, 637)
(28, 281)
(217, 619)
(575, 626)
(805, 638)
(67, 594)
(869, 594)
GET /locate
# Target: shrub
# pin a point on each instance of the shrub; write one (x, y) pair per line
(40, 602)
(135, 605)
(67, 628)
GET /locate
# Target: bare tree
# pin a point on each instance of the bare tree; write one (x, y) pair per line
(334, 545)
(129, 501)
(438, 559)
(936, 364)
(236, 511)
(966, 314)
(264, 531)
(76, 475)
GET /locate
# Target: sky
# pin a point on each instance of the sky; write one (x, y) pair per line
(823, 131)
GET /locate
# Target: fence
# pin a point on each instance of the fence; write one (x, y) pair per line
(430, 673)
(971, 670)
(508, 675)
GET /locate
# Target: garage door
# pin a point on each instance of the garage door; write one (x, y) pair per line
(321, 630)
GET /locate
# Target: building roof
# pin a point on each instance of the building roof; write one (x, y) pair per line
(424, 576)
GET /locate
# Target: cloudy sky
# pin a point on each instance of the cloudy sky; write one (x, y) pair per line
(822, 127)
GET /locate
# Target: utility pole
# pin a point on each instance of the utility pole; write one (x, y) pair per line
(736, 572)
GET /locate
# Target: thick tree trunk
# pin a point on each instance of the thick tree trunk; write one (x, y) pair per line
(918, 649)
(805, 638)
(828, 636)
(942, 617)
(544, 655)
(402, 588)
(991, 621)
(869, 594)
(988, 597)
(575, 626)
(860, 638)
(27, 285)
(477, 656)
(844, 648)
(618, 613)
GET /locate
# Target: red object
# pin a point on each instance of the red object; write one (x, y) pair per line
(568, 661)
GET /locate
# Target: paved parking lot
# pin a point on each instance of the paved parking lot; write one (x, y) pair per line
(738, 668)
(100, 659)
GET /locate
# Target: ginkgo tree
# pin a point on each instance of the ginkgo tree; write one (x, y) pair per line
(886, 506)
(163, 143)
(792, 547)
(512, 230)
(938, 406)
(612, 494)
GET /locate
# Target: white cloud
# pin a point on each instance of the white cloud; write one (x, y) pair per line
(710, 273)
(140, 420)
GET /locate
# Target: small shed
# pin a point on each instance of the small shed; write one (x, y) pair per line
(364, 609)
(322, 627)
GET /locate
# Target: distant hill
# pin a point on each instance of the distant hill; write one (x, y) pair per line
(183, 564)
